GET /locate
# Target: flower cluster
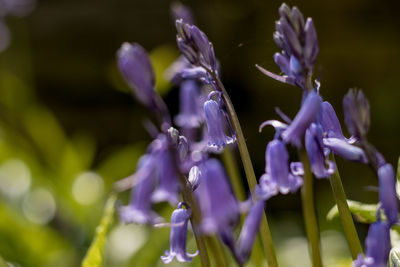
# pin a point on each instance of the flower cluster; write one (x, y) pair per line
(179, 162)
(181, 165)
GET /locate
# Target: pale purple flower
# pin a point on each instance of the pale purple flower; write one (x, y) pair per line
(190, 111)
(277, 177)
(135, 66)
(320, 166)
(345, 150)
(387, 193)
(377, 246)
(306, 115)
(179, 224)
(194, 177)
(215, 124)
(139, 209)
(219, 207)
(249, 232)
(299, 44)
(168, 183)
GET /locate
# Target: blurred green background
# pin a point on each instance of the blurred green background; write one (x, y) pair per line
(69, 127)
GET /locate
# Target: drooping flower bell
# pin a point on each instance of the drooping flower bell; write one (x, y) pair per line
(306, 115)
(179, 224)
(190, 114)
(387, 193)
(139, 209)
(168, 183)
(320, 166)
(329, 121)
(277, 177)
(249, 232)
(135, 66)
(215, 124)
(219, 207)
(377, 246)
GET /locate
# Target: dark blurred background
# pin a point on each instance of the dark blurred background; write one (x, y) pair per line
(65, 51)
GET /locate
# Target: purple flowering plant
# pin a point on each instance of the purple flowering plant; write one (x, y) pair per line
(182, 166)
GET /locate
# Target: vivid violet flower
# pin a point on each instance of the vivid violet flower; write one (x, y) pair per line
(219, 207)
(356, 113)
(139, 209)
(190, 109)
(315, 150)
(215, 124)
(345, 150)
(136, 68)
(329, 121)
(306, 115)
(195, 45)
(387, 193)
(299, 44)
(168, 183)
(377, 246)
(249, 232)
(277, 177)
(179, 224)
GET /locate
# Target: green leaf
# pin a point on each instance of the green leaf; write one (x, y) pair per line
(394, 257)
(365, 213)
(94, 256)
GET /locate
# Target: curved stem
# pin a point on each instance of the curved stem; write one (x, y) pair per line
(265, 232)
(310, 219)
(344, 213)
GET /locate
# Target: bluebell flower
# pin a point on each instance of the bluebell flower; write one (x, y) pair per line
(195, 45)
(320, 166)
(345, 150)
(329, 121)
(135, 66)
(277, 177)
(139, 209)
(387, 193)
(219, 207)
(299, 44)
(194, 177)
(190, 113)
(249, 232)
(377, 246)
(306, 115)
(179, 224)
(168, 183)
(215, 124)
(356, 113)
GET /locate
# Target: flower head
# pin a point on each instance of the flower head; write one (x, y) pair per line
(219, 207)
(315, 150)
(306, 115)
(215, 124)
(179, 224)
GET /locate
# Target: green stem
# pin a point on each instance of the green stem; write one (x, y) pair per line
(265, 232)
(310, 219)
(233, 172)
(344, 213)
(221, 260)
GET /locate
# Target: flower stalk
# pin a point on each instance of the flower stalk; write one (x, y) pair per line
(344, 213)
(310, 219)
(265, 231)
